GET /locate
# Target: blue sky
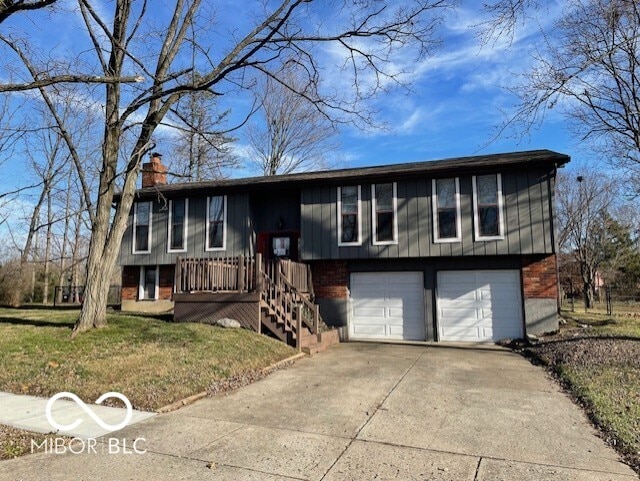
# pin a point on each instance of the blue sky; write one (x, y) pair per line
(459, 100)
(457, 97)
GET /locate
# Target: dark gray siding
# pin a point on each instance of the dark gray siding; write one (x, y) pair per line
(527, 197)
(269, 209)
(237, 236)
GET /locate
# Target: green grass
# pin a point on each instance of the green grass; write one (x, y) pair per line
(152, 362)
(624, 321)
(597, 357)
(612, 393)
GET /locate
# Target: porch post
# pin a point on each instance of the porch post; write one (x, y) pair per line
(177, 276)
(240, 281)
(299, 327)
(258, 270)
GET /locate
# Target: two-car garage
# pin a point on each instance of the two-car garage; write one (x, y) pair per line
(471, 305)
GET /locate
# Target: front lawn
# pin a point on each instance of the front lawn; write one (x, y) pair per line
(597, 358)
(152, 362)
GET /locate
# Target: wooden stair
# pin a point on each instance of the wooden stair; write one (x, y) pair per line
(309, 342)
(284, 295)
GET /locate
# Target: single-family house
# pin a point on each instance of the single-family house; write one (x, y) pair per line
(460, 249)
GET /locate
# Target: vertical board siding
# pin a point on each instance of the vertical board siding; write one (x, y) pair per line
(466, 216)
(237, 236)
(535, 206)
(424, 219)
(512, 229)
(526, 216)
(528, 222)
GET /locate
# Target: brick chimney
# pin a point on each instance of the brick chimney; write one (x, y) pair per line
(154, 173)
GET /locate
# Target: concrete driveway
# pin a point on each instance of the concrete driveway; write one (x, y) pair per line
(359, 412)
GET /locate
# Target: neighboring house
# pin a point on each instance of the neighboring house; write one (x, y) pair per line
(457, 249)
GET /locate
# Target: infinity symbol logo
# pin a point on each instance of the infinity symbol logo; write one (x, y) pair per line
(87, 409)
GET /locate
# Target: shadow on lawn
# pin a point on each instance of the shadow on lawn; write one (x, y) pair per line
(36, 323)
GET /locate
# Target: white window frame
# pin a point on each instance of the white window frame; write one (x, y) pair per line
(374, 226)
(184, 227)
(135, 225)
(359, 214)
(434, 201)
(156, 291)
(224, 226)
(476, 218)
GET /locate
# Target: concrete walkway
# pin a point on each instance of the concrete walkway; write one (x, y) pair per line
(360, 412)
(28, 413)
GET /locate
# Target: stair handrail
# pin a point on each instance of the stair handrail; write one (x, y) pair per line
(281, 288)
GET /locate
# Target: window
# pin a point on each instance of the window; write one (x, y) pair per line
(281, 246)
(487, 201)
(446, 210)
(385, 222)
(178, 225)
(349, 220)
(148, 289)
(142, 228)
(216, 223)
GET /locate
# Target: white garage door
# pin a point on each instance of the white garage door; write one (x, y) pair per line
(479, 305)
(387, 305)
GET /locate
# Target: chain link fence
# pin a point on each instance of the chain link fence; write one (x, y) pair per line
(607, 299)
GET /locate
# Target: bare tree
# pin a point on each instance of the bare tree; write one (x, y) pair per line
(589, 70)
(201, 148)
(290, 133)
(10, 7)
(587, 229)
(368, 34)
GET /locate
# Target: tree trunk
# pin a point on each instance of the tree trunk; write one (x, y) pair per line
(34, 260)
(47, 251)
(65, 239)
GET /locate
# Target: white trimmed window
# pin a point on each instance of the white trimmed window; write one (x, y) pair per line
(216, 223)
(149, 283)
(178, 213)
(445, 200)
(142, 227)
(349, 216)
(487, 207)
(385, 213)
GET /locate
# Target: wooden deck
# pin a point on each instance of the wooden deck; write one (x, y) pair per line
(274, 297)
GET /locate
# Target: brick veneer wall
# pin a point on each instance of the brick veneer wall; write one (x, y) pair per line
(330, 279)
(539, 277)
(131, 282)
(165, 282)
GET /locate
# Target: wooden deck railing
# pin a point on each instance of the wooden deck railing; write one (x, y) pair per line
(288, 304)
(236, 274)
(296, 273)
(285, 287)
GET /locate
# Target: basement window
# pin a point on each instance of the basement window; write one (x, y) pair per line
(149, 288)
